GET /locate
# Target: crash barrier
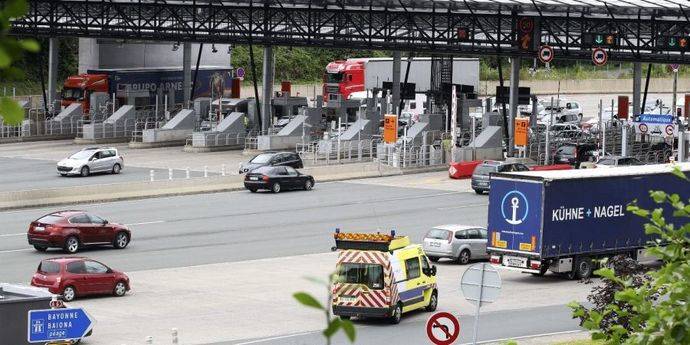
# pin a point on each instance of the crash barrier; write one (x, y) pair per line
(220, 139)
(404, 156)
(335, 151)
(460, 170)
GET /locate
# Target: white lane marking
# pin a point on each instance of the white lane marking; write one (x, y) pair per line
(12, 235)
(460, 206)
(15, 250)
(146, 223)
(525, 337)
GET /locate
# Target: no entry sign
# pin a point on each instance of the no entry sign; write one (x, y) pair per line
(545, 54)
(599, 56)
(443, 328)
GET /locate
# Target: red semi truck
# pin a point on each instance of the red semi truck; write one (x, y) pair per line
(343, 77)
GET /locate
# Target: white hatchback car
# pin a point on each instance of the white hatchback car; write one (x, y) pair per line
(461, 243)
(91, 160)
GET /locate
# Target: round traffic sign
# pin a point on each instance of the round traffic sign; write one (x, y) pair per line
(669, 129)
(481, 283)
(643, 128)
(674, 67)
(526, 25)
(56, 304)
(545, 54)
(239, 72)
(599, 56)
(443, 328)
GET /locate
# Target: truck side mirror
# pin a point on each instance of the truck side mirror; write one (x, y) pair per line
(433, 270)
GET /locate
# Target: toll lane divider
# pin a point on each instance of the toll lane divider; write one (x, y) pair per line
(460, 170)
(160, 188)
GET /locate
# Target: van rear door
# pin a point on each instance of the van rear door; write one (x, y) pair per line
(515, 208)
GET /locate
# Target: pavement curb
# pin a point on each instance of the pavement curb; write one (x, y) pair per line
(25, 199)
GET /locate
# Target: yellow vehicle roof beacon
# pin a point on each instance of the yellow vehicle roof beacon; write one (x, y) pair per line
(381, 275)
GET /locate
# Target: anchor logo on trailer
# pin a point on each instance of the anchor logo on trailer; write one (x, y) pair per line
(518, 207)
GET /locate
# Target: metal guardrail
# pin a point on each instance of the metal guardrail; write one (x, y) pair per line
(334, 151)
(406, 156)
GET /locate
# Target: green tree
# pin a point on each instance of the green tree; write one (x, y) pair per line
(11, 49)
(333, 324)
(656, 311)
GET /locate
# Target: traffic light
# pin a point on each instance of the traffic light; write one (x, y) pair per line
(609, 40)
(463, 34)
(674, 43)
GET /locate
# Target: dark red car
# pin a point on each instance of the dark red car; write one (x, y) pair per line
(73, 229)
(77, 276)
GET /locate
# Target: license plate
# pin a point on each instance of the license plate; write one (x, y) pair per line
(483, 183)
(434, 244)
(347, 299)
(514, 261)
(39, 228)
(254, 178)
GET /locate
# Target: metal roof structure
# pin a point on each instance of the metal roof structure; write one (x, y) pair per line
(628, 30)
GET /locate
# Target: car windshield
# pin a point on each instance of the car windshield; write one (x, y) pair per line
(262, 158)
(438, 234)
(333, 77)
(71, 93)
(370, 275)
(49, 267)
(484, 170)
(49, 219)
(566, 150)
(607, 161)
(82, 155)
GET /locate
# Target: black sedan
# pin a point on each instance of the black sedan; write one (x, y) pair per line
(277, 179)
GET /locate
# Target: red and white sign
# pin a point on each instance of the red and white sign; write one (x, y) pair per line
(526, 25)
(443, 328)
(670, 129)
(643, 128)
(56, 304)
(599, 56)
(546, 54)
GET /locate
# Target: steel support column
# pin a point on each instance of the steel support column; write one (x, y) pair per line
(514, 84)
(53, 63)
(396, 83)
(187, 73)
(637, 87)
(267, 113)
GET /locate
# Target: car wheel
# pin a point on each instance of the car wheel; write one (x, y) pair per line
(433, 259)
(253, 190)
(584, 268)
(120, 289)
(40, 248)
(275, 188)
(84, 171)
(308, 185)
(478, 191)
(396, 315)
(69, 293)
(433, 301)
(72, 244)
(464, 257)
(116, 169)
(121, 240)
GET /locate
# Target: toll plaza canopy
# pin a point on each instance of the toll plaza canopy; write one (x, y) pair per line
(627, 30)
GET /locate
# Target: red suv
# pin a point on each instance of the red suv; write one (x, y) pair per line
(76, 276)
(72, 229)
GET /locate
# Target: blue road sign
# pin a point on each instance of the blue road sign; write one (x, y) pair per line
(58, 324)
(239, 72)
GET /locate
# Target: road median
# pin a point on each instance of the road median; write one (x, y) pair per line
(161, 188)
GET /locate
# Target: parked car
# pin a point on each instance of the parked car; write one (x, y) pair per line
(91, 160)
(74, 277)
(575, 154)
(290, 159)
(480, 176)
(617, 161)
(460, 243)
(72, 230)
(277, 179)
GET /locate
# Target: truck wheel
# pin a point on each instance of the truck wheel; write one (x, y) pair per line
(583, 268)
(396, 315)
(478, 191)
(464, 257)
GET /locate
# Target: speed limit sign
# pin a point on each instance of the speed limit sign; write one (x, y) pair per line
(599, 56)
(545, 54)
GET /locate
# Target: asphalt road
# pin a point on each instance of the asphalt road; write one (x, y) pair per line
(26, 174)
(226, 227)
(497, 326)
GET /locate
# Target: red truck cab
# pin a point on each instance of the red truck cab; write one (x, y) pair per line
(343, 77)
(78, 88)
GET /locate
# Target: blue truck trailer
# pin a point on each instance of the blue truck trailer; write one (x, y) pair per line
(564, 220)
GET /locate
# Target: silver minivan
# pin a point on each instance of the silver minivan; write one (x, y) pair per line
(461, 243)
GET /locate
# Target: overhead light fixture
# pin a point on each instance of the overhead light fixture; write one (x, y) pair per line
(176, 46)
(213, 48)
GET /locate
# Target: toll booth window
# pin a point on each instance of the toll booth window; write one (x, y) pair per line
(412, 268)
(370, 275)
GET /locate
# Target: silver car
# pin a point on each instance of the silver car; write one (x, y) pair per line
(461, 243)
(91, 160)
